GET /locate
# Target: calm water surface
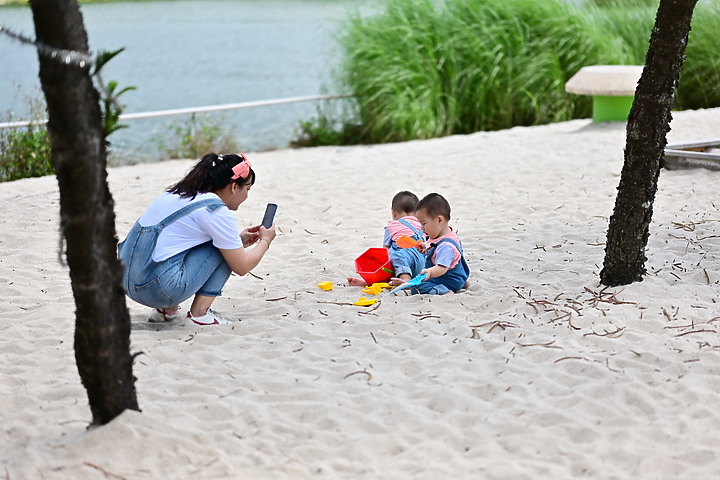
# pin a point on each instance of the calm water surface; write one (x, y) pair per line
(194, 53)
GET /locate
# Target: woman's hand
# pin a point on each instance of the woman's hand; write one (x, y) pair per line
(250, 236)
(267, 234)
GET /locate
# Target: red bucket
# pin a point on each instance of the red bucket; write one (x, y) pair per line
(374, 265)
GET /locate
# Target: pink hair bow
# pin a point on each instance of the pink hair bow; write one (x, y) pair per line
(242, 169)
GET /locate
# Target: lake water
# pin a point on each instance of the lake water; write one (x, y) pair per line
(195, 53)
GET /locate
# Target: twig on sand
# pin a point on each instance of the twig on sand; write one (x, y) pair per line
(105, 472)
(373, 337)
(562, 359)
(564, 316)
(606, 297)
(688, 227)
(532, 304)
(231, 393)
(371, 309)
(614, 334)
(607, 364)
(703, 330)
(192, 335)
(369, 375)
(334, 303)
(275, 299)
(256, 276)
(494, 324)
(546, 344)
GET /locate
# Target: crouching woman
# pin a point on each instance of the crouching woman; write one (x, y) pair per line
(187, 242)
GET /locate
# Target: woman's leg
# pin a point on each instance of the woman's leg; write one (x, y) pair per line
(201, 271)
(200, 305)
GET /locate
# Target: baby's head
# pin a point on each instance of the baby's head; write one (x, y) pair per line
(403, 204)
(433, 212)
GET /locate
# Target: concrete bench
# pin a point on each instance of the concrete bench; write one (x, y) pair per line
(612, 88)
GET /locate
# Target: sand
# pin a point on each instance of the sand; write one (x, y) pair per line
(536, 371)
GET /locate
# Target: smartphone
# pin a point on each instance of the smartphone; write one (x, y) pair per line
(269, 216)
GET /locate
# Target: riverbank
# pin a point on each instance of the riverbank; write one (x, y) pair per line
(536, 371)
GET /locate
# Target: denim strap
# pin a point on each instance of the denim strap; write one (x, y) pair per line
(459, 248)
(210, 203)
(409, 225)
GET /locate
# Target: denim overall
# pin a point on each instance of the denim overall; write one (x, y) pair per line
(407, 260)
(199, 270)
(453, 280)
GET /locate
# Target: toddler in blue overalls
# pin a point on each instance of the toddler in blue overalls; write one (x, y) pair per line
(406, 262)
(445, 266)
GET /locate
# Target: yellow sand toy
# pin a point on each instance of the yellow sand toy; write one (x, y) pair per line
(325, 286)
(364, 302)
(376, 288)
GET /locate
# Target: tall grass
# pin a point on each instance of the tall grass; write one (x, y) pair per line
(424, 69)
(699, 85)
(700, 75)
(429, 68)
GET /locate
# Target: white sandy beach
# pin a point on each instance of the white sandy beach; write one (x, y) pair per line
(535, 372)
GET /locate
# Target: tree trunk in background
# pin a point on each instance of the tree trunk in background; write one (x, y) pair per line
(87, 219)
(647, 127)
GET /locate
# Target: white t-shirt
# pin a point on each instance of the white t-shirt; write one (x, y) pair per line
(195, 228)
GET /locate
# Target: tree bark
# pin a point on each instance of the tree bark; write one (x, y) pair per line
(87, 219)
(647, 128)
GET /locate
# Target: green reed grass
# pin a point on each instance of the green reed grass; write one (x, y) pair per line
(424, 69)
(429, 68)
(700, 75)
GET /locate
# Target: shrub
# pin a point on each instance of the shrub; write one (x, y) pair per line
(25, 151)
(195, 137)
(426, 68)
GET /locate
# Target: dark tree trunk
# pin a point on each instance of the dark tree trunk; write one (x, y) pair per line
(647, 127)
(87, 219)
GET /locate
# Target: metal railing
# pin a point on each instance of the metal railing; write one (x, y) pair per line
(192, 110)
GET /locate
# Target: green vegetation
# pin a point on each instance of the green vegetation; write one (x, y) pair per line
(426, 68)
(325, 130)
(25, 152)
(195, 137)
(109, 95)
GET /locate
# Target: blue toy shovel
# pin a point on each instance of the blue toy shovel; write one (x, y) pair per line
(410, 283)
